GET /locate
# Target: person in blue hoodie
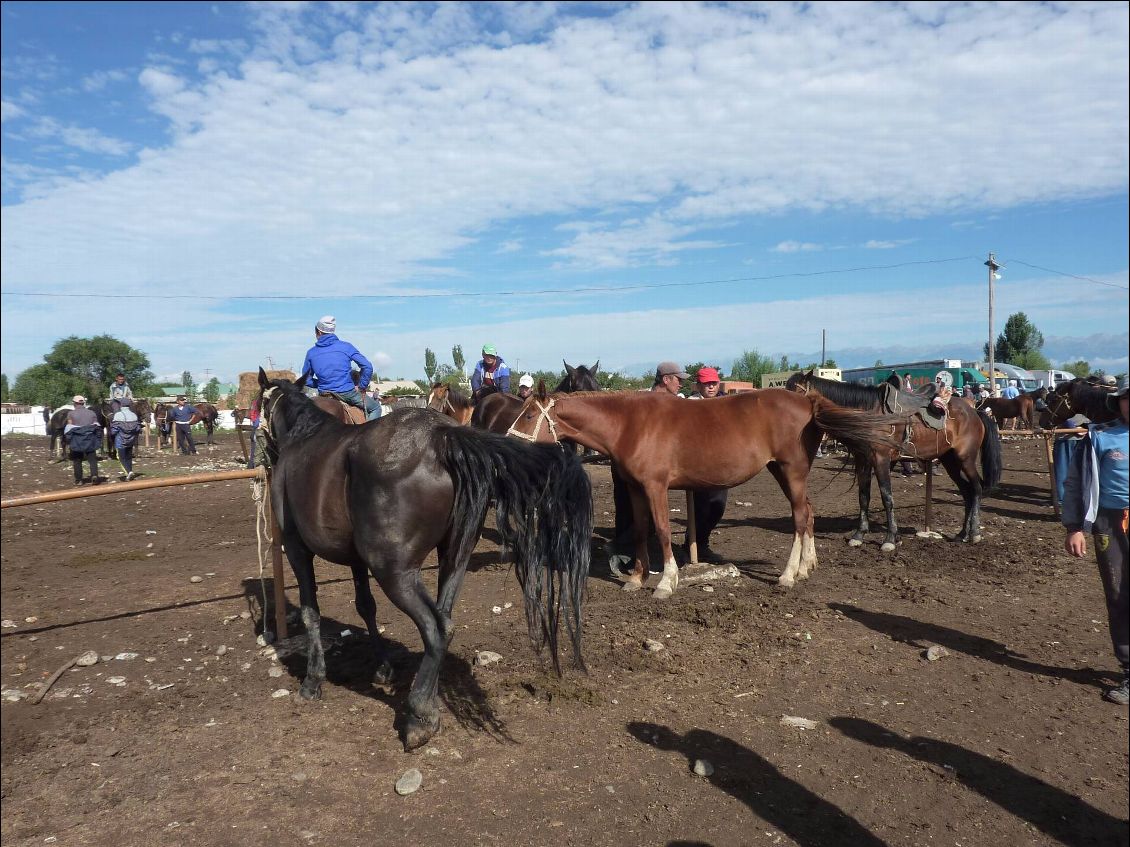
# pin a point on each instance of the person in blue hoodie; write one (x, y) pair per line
(1096, 499)
(491, 370)
(331, 360)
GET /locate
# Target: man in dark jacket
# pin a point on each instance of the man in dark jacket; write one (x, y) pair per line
(83, 435)
(180, 416)
(124, 429)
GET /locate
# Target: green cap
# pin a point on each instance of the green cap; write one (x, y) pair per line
(489, 350)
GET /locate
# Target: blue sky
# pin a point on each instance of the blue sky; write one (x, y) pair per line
(626, 183)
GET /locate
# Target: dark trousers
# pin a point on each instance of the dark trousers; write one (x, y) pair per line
(90, 458)
(709, 507)
(184, 439)
(1109, 535)
(125, 456)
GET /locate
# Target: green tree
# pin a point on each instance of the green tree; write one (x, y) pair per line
(43, 385)
(3, 388)
(447, 374)
(457, 358)
(1080, 367)
(430, 365)
(189, 386)
(95, 361)
(751, 365)
(830, 363)
(1016, 344)
(879, 362)
(212, 390)
(616, 381)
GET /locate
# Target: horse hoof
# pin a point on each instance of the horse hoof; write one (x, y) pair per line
(310, 693)
(976, 539)
(384, 674)
(419, 731)
(784, 582)
(887, 547)
(855, 542)
(661, 594)
(631, 586)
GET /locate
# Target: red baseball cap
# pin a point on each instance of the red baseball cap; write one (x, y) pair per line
(708, 375)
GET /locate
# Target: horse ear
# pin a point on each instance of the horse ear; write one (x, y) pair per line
(263, 381)
(569, 369)
(811, 372)
(541, 389)
(595, 368)
(301, 381)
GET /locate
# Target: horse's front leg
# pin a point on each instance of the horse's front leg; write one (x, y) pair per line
(302, 563)
(863, 486)
(661, 514)
(883, 474)
(641, 526)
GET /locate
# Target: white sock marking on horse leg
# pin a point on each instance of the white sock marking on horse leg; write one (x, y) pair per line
(670, 580)
(788, 576)
(807, 555)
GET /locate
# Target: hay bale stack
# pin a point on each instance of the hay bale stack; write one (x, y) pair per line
(249, 385)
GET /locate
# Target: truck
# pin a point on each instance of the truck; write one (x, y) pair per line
(951, 372)
(1025, 380)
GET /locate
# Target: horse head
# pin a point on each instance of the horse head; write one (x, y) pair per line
(536, 421)
(579, 378)
(799, 382)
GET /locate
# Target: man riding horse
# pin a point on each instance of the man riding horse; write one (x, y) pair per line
(330, 361)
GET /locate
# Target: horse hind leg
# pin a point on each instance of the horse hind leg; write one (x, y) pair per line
(367, 609)
(863, 487)
(802, 556)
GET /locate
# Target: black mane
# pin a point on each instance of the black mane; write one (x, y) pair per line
(849, 394)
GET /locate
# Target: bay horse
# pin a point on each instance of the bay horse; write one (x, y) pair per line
(968, 434)
(378, 498)
(1080, 397)
(1017, 409)
(656, 442)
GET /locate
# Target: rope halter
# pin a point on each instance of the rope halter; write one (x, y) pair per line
(543, 415)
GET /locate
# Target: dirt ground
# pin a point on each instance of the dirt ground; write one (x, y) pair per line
(176, 735)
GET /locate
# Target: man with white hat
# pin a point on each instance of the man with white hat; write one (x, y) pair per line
(330, 361)
(1096, 498)
(525, 386)
(83, 435)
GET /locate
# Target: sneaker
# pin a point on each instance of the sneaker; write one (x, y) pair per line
(78, 483)
(1121, 694)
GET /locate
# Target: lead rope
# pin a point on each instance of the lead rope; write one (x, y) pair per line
(262, 532)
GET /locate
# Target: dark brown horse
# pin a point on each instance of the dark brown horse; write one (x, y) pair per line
(379, 498)
(1019, 410)
(496, 411)
(1080, 397)
(655, 441)
(967, 434)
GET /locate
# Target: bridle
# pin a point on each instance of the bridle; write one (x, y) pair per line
(543, 415)
(1062, 402)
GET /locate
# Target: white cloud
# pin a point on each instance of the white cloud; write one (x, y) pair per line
(876, 244)
(81, 138)
(796, 247)
(358, 148)
(9, 111)
(98, 80)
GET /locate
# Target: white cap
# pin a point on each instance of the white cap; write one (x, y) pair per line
(526, 380)
(78, 398)
(328, 323)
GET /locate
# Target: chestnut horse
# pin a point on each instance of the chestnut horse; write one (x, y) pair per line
(968, 434)
(451, 402)
(656, 442)
(380, 498)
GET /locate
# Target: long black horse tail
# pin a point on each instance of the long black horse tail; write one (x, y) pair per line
(992, 461)
(862, 432)
(543, 511)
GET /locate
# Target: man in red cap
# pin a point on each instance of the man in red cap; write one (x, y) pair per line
(709, 503)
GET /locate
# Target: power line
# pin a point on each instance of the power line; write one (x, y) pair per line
(1072, 276)
(582, 290)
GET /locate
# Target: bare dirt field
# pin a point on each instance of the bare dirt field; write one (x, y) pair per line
(176, 737)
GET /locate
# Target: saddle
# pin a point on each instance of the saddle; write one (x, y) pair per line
(899, 402)
(355, 415)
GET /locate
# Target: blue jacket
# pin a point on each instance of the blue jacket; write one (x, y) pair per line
(1099, 474)
(182, 414)
(501, 376)
(330, 359)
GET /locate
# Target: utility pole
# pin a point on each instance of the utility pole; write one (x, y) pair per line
(993, 268)
(823, 347)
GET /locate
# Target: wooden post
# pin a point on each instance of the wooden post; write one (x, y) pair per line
(277, 577)
(926, 532)
(1049, 447)
(243, 443)
(692, 536)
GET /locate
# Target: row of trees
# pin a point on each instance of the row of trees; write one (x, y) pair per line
(84, 366)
